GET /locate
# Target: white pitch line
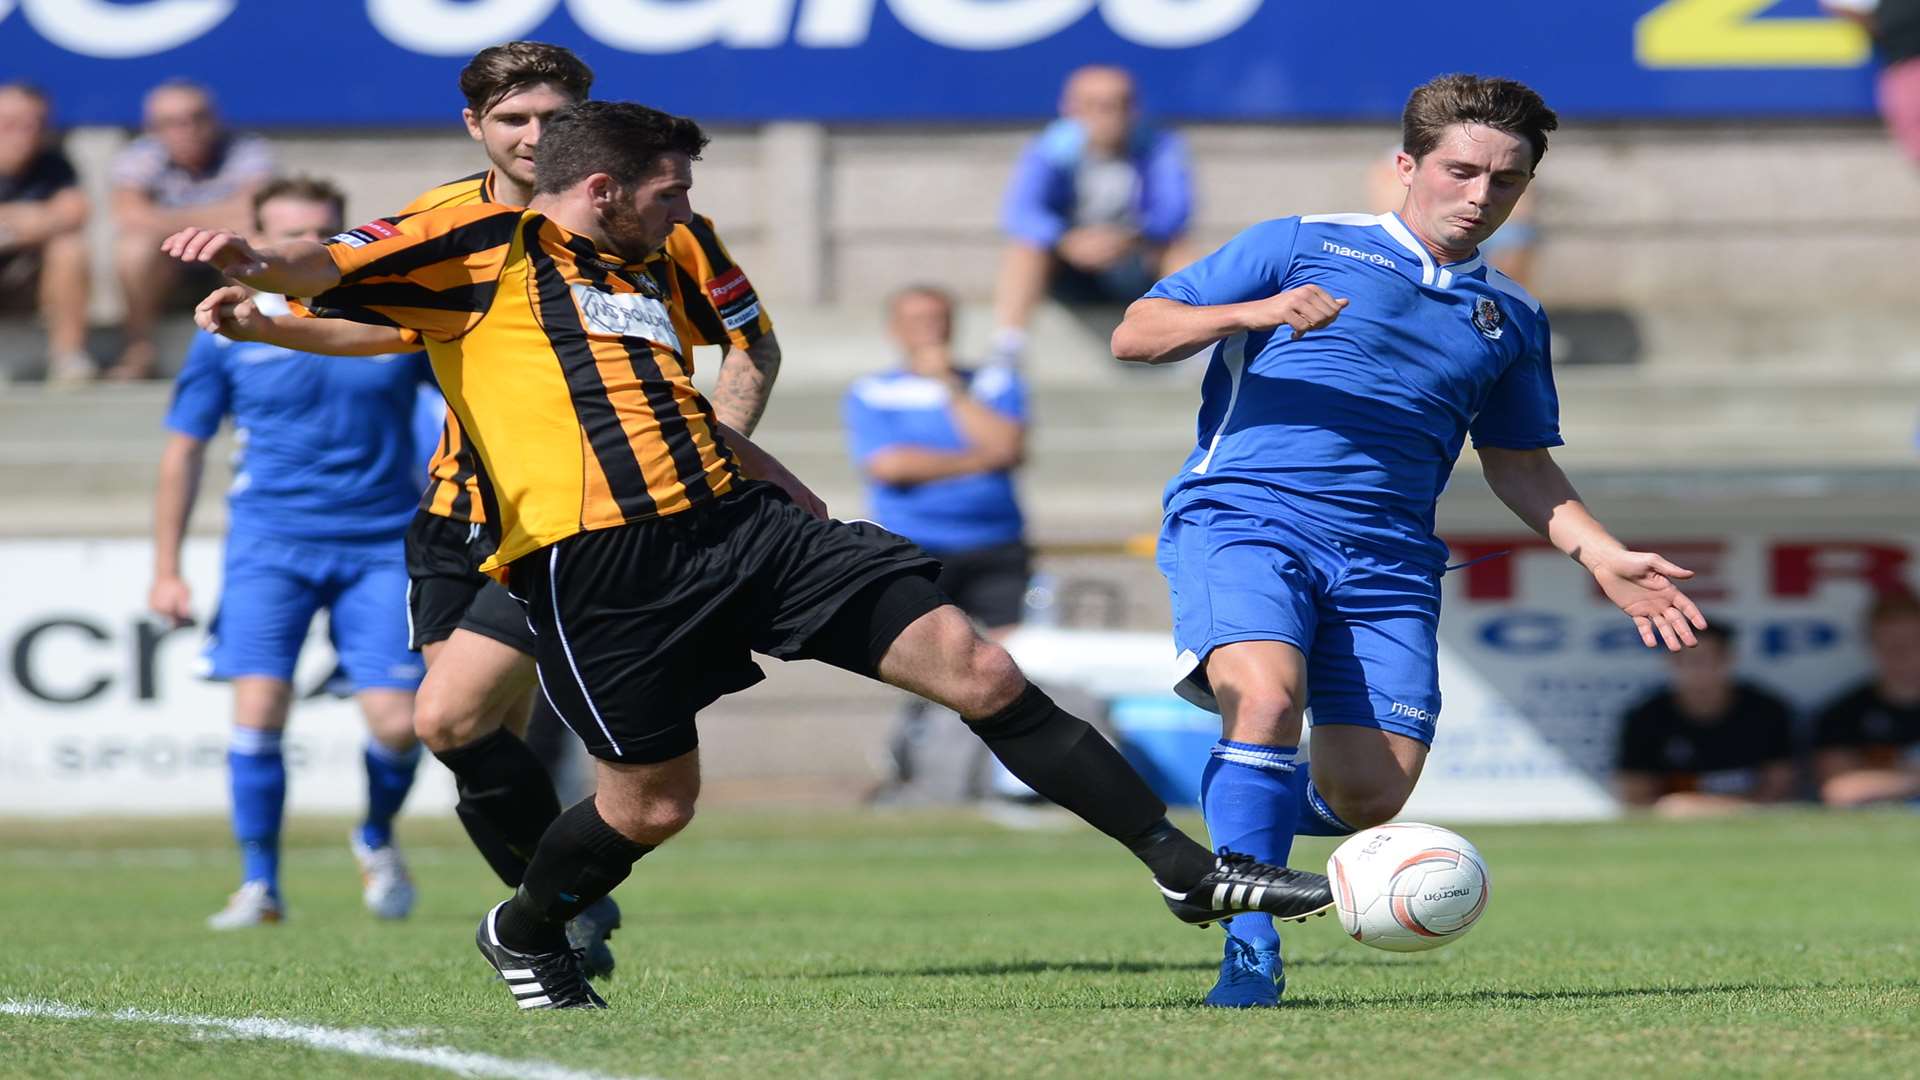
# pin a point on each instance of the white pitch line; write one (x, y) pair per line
(360, 1042)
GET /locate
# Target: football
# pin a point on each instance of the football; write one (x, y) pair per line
(1408, 887)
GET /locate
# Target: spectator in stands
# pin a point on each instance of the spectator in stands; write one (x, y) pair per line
(1867, 743)
(43, 215)
(1511, 248)
(1709, 743)
(1097, 208)
(186, 170)
(937, 444)
(1895, 28)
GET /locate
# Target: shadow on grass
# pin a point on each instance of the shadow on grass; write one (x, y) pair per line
(1420, 999)
(995, 968)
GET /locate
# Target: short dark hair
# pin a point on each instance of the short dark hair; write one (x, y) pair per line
(1719, 630)
(619, 138)
(303, 188)
(499, 71)
(1512, 107)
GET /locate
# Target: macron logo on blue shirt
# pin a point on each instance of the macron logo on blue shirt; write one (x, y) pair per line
(1375, 258)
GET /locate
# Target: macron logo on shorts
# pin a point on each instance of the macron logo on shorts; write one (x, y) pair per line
(1411, 713)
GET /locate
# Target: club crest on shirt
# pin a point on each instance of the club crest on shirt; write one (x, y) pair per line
(1487, 318)
(626, 315)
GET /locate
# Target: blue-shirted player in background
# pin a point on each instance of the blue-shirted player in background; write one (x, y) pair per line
(938, 443)
(325, 484)
(1354, 354)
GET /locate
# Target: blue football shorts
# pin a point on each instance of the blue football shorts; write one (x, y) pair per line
(1366, 622)
(272, 591)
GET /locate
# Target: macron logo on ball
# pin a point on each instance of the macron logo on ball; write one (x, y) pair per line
(1375, 258)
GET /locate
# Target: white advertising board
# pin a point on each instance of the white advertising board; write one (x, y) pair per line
(100, 710)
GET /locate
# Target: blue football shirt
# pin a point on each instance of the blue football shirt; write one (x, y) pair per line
(1354, 428)
(325, 445)
(960, 513)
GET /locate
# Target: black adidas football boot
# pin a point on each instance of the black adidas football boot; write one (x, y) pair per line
(548, 980)
(1238, 884)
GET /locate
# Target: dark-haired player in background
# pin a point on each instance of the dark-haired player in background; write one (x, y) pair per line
(1867, 743)
(1709, 742)
(473, 707)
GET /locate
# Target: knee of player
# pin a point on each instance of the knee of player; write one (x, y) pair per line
(436, 724)
(993, 680)
(1363, 808)
(1258, 711)
(651, 820)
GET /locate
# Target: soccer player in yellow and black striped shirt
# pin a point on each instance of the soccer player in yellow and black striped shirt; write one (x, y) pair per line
(651, 553)
(475, 703)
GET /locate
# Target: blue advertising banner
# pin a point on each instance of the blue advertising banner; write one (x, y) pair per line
(394, 62)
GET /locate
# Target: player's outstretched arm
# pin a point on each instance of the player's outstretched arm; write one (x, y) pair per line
(1640, 583)
(746, 382)
(230, 311)
(294, 268)
(1157, 330)
(760, 465)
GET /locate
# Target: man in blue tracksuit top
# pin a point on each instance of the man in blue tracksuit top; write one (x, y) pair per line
(326, 480)
(937, 444)
(1352, 355)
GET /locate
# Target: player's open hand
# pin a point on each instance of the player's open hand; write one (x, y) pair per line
(222, 249)
(230, 312)
(1641, 584)
(172, 600)
(1308, 307)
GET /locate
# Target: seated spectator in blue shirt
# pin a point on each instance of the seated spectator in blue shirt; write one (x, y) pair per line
(188, 169)
(1867, 743)
(938, 444)
(1710, 743)
(43, 215)
(1097, 208)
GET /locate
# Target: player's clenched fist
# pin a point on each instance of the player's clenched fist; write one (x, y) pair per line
(224, 250)
(230, 312)
(1308, 307)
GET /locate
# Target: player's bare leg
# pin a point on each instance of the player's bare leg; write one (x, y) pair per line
(257, 784)
(943, 658)
(1365, 774)
(392, 756)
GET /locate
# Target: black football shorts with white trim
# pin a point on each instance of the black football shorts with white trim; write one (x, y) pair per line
(640, 626)
(445, 593)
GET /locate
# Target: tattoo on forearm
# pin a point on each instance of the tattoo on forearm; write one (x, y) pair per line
(746, 381)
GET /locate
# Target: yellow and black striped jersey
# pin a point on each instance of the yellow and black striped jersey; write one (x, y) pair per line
(719, 297)
(565, 367)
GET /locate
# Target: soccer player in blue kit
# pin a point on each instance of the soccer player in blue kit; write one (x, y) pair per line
(326, 481)
(1352, 355)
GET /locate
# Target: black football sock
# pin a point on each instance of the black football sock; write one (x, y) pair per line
(580, 860)
(1063, 758)
(506, 800)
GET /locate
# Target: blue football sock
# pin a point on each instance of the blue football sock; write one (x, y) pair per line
(389, 778)
(1315, 817)
(257, 784)
(1248, 798)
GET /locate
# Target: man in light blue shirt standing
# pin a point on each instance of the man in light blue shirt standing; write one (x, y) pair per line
(937, 444)
(1352, 355)
(327, 475)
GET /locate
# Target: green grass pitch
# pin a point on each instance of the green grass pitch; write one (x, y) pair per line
(763, 945)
